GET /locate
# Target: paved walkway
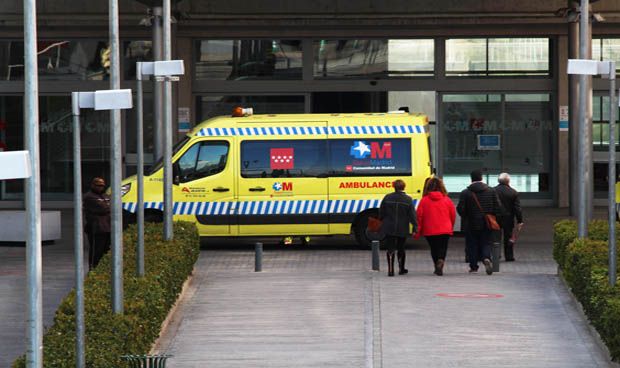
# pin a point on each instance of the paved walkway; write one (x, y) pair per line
(319, 306)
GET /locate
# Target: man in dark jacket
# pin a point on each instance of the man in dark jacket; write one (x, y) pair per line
(511, 206)
(478, 237)
(397, 212)
(97, 227)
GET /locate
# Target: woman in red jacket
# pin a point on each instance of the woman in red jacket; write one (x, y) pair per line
(436, 216)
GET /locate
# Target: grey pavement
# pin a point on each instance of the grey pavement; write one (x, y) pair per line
(319, 306)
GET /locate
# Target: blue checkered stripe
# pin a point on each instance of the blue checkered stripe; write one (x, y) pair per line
(335, 130)
(266, 207)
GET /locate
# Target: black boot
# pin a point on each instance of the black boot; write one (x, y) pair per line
(390, 259)
(401, 262)
(509, 253)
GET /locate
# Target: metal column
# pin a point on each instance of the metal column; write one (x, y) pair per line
(573, 99)
(34, 329)
(613, 106)
(140, 171)
(157, 85)
(582, 172)
(168, 235)
(77, 233)
(115, 167)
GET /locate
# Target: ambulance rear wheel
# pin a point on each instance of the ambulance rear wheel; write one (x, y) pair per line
(153, 216)
(359, 228)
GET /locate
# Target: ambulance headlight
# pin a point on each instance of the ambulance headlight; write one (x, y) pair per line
(125, 189)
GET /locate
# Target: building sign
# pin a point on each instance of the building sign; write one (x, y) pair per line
(183, 119)
(563, 118)
(488, 142)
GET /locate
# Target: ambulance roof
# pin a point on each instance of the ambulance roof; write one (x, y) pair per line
(345, 119)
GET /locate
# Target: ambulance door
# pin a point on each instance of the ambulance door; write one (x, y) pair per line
(283, 185)
(204, 186)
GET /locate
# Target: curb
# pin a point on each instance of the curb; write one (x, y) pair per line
(593, 332)
(171, 322)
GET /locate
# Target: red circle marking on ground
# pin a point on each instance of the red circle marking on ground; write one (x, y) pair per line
(470, 295)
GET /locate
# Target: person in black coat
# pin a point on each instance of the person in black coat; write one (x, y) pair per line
(511, 210)
(478, 236)
(396, 212)
(97, 227)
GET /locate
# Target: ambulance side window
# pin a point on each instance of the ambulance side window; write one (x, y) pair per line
(284, 159)
(201, 160)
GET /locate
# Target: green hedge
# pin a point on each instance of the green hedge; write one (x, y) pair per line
(585, 268)
(147, 301)
(565, 231)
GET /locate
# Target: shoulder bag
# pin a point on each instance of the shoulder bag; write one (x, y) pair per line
(488, 217)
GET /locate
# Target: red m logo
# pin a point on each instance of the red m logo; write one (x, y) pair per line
(381, 152)
(287, 186)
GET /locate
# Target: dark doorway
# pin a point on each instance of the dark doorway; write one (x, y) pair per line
(337, 102)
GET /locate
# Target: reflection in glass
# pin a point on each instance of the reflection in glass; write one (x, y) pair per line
(497, 56)
(600, 124)
(373, 58)
(58, 60)
(211, 106)
(524, 125)
(248, 59)
(134, 51)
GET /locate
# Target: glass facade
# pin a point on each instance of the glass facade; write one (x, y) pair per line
(248, 59)
(56, 150)
(211, 106)
(497, 133)
(58, 60)
(373, 58)
(495, 130)
(497, 56)
(606, 49)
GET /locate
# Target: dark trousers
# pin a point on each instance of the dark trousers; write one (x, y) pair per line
(478, 246)
(393, 243)
(99, 244)
(439, 246)
(507, 228)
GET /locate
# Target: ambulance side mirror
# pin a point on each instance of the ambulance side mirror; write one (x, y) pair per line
(175, 174)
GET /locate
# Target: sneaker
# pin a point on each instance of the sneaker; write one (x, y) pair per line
(472, 270)
(488, 266)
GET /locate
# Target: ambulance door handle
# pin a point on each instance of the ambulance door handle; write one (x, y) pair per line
(220, 189)
(257, 189)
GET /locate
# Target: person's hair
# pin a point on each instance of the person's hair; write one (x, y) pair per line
(503, 178)
(97, 178)
(476, 175)
(398, 185)
(434, 184)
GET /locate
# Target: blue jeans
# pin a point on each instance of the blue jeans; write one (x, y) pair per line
(478, 246)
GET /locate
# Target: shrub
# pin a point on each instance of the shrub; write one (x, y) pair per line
(586, 272)
(147, 301)
(564, 232)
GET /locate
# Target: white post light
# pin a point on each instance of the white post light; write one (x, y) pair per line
(98, 100)
(15, 165)
(607, 69)
(170, 69)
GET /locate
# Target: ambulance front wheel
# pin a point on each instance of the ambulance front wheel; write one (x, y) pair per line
(359, 228)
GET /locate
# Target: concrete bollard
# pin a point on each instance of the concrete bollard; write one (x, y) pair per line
(375, 255)
(496, 250)
(258, 257)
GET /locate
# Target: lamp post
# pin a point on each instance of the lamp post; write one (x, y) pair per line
(98, 100)
(607, 69)
(160, 69)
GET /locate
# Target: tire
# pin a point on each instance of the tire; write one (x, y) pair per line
(359, 228)
(153, 216)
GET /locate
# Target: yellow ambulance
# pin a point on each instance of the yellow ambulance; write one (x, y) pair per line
(289, 175)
